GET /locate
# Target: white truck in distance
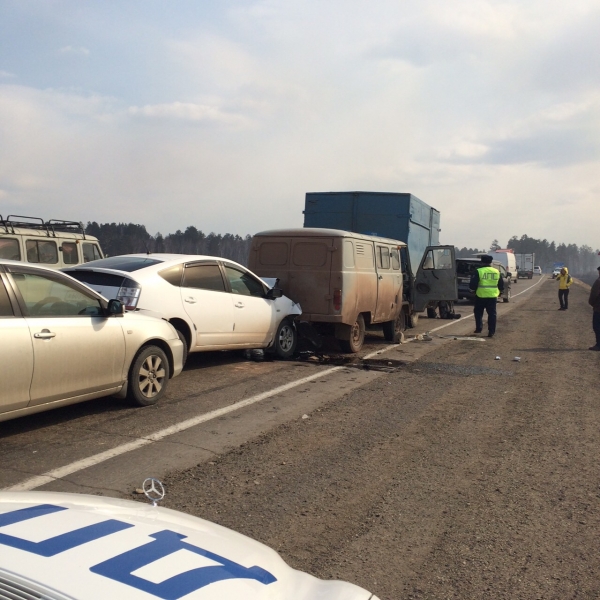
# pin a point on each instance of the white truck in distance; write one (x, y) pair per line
(525, 264)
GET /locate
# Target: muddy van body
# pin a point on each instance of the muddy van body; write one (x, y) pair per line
(344, 281)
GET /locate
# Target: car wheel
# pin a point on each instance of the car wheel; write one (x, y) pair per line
(286, 339)
(357, 337)
(393, 330)
(148, 376)
(185, 347)
(431, 313)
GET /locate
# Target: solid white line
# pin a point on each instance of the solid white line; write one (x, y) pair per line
(54, 474)
(38, 480)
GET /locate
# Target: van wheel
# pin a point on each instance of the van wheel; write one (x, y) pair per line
(431, 313)
(393, 330)
(148, 376)
(357, 337)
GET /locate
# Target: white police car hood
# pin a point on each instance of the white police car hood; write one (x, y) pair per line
(72, 546)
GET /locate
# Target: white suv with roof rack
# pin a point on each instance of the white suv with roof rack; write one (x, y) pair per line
(54, 243)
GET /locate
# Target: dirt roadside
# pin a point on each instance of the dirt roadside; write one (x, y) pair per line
(459, 476)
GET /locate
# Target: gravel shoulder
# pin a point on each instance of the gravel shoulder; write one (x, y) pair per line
(458, 476)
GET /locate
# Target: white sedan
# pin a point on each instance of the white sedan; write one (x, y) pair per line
(214, 303)
(62, 343)
(66, 546)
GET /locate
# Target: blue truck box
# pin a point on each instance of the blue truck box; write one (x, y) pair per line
(391, 215)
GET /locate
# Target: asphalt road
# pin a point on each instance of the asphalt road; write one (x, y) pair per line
(65, 449)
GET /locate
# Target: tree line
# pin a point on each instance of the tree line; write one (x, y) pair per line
(579, 259)
(129, 238)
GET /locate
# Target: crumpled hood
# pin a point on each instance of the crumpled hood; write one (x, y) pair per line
(90, 547)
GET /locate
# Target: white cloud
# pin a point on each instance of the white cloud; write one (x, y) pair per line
(77, 50)
(6, 74)
(187, 111)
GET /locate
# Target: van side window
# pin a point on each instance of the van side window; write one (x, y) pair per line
(364, 255)
(348, 254)
(310, 254)
(9, 249)
(395, 259)
(41, 251)
(383, 257)
(91, 252)
(273, 253)
(70, 254)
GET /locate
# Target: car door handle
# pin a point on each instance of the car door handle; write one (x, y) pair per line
(239, 305)
(45, 334)
(190, 300)
(380, 277)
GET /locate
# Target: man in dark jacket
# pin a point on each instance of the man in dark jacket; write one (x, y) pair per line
(594, 302)
(487, 284)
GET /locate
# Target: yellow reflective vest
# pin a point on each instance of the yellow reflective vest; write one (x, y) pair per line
(488, 282)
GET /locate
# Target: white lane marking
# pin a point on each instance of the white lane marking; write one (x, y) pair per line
(54, 474)
(49, 476)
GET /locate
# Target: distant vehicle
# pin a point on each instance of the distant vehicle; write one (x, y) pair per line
(525, 264)
(347, 281)
(506, 258)
(213, 303)
(537, 270)
(54, 243)
(95, 547)
(465, 267)
(556, 272)
(63, 343)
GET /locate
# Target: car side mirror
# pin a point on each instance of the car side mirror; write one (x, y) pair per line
(274, 293)
(115, 308)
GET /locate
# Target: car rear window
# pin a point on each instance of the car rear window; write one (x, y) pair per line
(273, 253)
(467, 268)
(124, 263)
(94, 278)
(9, 248)
(310, 254)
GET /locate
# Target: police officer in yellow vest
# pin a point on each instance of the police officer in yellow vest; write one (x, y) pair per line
(487, 284)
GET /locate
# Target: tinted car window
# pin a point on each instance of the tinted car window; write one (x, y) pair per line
(243, 283)
(45, 296)
(41, 251)
(9, 249)
(204, 277)
(5, 305)
(173, 275)
(124, 263)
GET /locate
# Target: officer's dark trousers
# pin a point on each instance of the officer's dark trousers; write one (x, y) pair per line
(563, 298)
(489, 305)
(596, 325)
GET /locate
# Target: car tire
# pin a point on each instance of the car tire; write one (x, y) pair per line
(393, 330)
(148, 376)
(357, 337)
(185, 347)
(286, 340)
(431, 313)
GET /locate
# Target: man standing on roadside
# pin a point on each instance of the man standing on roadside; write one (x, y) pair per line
(564, 283)
(487, 284)
(595, 304)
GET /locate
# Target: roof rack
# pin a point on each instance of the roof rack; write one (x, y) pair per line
(50, 227)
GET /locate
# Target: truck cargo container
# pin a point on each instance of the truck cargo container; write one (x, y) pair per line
(397, 216)
(525, 265)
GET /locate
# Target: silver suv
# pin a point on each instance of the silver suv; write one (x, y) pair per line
(62, 343)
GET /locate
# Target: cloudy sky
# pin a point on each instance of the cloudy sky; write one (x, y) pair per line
(223, 113)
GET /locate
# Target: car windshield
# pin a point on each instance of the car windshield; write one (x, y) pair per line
(124, 263)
